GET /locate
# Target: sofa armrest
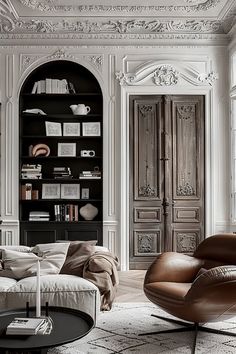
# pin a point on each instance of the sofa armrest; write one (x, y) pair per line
(173, 267)
(214, 278)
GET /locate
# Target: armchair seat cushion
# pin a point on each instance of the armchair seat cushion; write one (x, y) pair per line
(168, 290)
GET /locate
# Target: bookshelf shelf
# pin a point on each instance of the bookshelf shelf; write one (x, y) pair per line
(33, 133)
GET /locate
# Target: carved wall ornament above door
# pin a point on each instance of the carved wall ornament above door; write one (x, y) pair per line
(166, 75)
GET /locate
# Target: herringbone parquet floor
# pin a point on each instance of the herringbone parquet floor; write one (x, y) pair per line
(130, 288)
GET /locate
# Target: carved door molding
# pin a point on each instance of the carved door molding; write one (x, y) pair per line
(166, 176)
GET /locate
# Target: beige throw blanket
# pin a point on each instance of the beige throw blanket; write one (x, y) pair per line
(101, 269)
(98, 267)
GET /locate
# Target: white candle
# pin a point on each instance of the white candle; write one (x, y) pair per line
(38, 302)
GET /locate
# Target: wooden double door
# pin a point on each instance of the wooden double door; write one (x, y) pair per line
(166, 176)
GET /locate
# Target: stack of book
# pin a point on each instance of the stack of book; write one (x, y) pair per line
(29, 171)
(62, 172)
(66, 212)
(29, 326)
(39, 216)
(90, 175)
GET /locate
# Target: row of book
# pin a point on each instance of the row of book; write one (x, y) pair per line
(90, 174)
(66, 212)
(34, 171)
(31, 171)
(62, 172)
(53, 86)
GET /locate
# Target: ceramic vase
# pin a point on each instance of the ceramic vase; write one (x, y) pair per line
(88, 211)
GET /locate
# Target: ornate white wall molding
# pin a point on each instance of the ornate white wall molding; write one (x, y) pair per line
(26, 60)
(60, 54)
(165, 74)
(50, 5)
(8, 190)
(208, 78)
(96, 60)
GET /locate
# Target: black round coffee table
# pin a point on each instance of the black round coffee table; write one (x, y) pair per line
(68, 326)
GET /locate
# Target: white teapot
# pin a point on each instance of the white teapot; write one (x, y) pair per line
(80, 109)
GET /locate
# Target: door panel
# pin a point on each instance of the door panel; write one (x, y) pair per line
(166, 176)
(146, 180)
(187, 172)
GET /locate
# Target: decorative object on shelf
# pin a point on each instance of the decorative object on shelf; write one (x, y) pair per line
(80, 109)
(88, 211)
(35, 111)
(26, 191)
(51, 191)
(35, 194)
(87, 153)
(91, 129)
(66, 149)
(85, 193)
(70, 191)
(40, 150)
(53, 128)
(71, 129)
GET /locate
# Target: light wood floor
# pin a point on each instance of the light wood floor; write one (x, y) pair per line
(130, 288)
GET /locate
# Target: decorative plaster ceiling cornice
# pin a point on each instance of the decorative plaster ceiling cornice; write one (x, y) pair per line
(49, 5)
(104, 27)
(135, 26)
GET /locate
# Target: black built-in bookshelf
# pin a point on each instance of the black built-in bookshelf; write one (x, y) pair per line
(69, 225)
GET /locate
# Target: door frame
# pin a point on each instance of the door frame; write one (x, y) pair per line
(126, 92)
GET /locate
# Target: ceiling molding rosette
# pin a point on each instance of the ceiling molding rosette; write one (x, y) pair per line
(165, 74)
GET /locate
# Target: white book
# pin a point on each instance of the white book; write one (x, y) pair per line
(54, 86)
(34, 89)
(48, 85)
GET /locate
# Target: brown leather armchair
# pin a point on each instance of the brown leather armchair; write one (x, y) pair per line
(199, 288)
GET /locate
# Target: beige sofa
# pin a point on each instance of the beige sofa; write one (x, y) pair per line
(56, 289)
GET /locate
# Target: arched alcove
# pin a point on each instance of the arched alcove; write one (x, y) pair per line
(58, 146)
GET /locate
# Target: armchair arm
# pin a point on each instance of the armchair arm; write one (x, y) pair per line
(173, 267)
(212, 282)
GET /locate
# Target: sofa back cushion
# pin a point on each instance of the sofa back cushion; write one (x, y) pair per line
(77, 254)
(19, 265)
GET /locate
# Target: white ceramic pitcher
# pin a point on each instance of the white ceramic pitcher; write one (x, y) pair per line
(80, 109)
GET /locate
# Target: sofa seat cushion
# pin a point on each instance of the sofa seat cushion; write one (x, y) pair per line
(58, 290)
(5, 285)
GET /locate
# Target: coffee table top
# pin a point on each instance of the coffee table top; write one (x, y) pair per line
(68, 326)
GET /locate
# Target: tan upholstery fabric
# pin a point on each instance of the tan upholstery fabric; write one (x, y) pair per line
(19, 265)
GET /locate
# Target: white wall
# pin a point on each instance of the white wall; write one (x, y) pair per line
(200, 70)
